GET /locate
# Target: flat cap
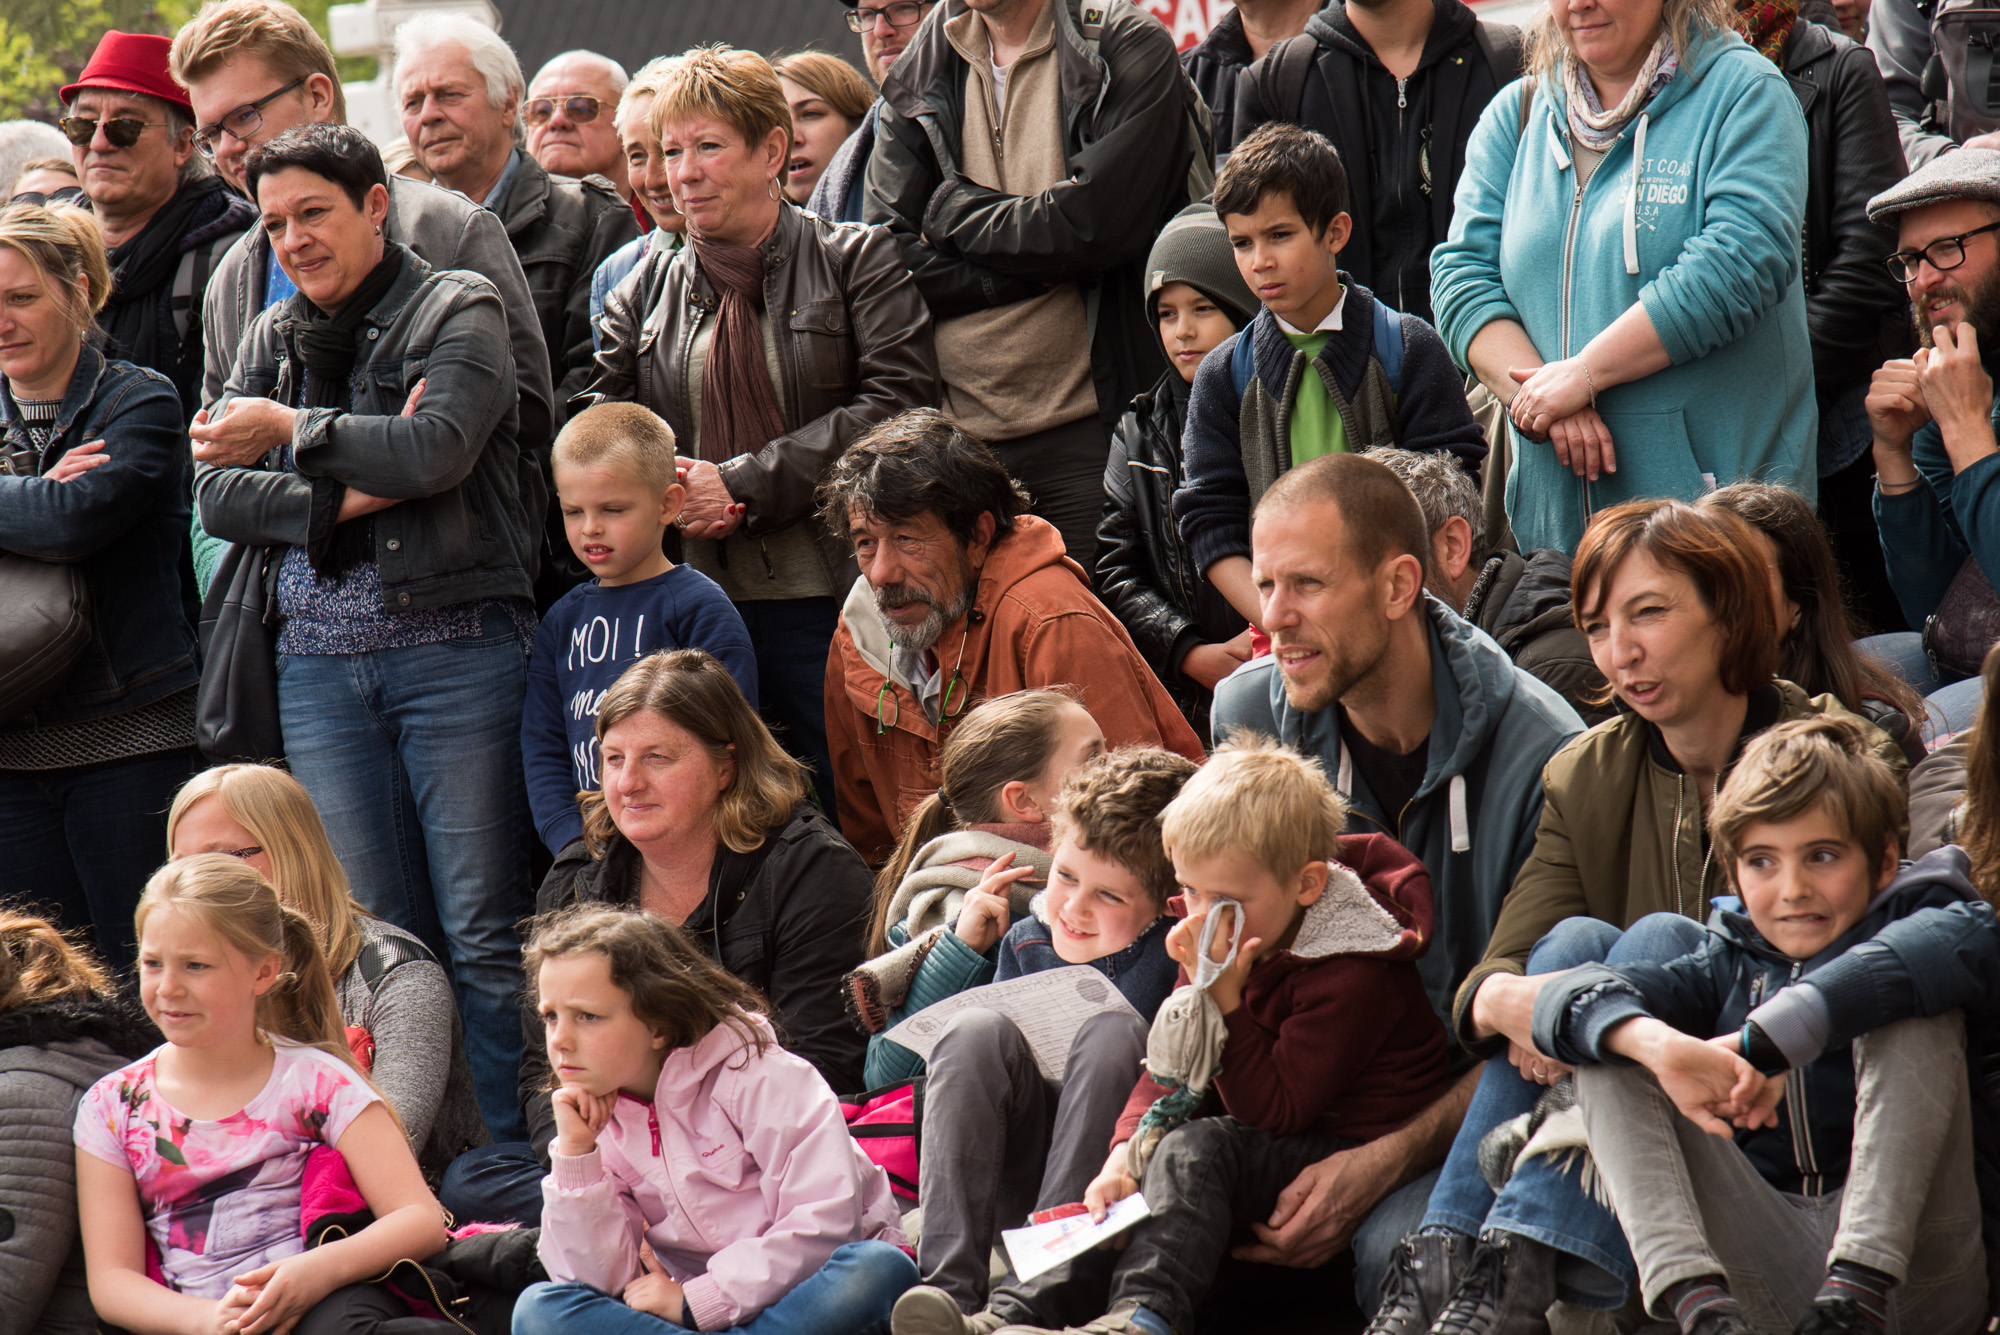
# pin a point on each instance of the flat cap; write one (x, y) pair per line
(1963, 173)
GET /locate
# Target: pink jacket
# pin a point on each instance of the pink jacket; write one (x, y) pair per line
(694, 1173)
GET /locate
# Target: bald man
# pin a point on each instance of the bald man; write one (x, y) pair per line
(571, 106)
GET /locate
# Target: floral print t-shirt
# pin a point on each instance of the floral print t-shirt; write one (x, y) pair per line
(222, 1197)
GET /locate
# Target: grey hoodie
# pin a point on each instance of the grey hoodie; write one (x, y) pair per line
(44, 1292)
(1473, 820)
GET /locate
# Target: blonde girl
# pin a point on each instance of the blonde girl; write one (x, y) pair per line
(674, 1104)
(394, 997)
(200, 1147)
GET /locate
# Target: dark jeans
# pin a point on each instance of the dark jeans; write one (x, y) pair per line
(790, 637)
(850, 1295)
(495, 1184)
(80, 843)
(1544, 1200)
(1063, 470)
(1000, 1141)
(1207, 1183)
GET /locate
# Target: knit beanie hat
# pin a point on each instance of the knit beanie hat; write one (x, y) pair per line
(1194, 249)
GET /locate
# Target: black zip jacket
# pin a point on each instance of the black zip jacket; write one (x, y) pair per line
(1403, 142)
(1125, 108)
(1213, 64)
(1145, 573)
(790, 918)
(1715, 989)
(1857, 311)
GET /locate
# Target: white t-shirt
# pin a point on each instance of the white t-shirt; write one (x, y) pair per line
(222, 1197)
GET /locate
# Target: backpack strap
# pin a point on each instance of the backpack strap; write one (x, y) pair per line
(1501, 45)
(1242, 362)
(1281, 76)
(1389, 345)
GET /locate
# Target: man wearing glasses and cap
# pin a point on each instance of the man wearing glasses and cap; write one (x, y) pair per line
(571, 117)
(254, 69)
(886, 27)
(166, 220)
(1937, 469)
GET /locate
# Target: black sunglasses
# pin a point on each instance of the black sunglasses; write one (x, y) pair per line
(119, 131)
(242, 122)
(539, 111)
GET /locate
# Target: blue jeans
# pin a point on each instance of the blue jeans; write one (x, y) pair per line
(1953, 704)
(1541, 1201)
(79, 843)
(790, 637)
(413, 757)
(850, 1295)
(495, 1184)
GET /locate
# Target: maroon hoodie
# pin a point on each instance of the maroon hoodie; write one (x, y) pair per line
(1337, 1033)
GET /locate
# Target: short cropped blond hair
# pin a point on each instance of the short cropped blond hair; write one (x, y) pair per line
(1256, 795)
(627, 436)
(271, 30)
(738, 88)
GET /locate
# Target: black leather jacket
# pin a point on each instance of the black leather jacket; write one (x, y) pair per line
(563, 229)
(1145, 573)
(854, 344)
(790, 918)
(1857, 311)
(1523, 603)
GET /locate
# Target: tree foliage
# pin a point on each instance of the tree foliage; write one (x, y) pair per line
(44, 44)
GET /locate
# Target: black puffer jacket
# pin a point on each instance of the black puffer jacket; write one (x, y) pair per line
(1523, 603)
(1857, 311)
(1125, 109)
(51, 1052)
(1403, 140)
(789, 917)
(563, 229)
(1145, 573)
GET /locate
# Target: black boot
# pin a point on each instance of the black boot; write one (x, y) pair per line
(1508, 1288)
(1836, 1316)
(1419, 1282)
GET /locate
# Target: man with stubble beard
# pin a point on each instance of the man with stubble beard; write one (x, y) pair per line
(1933, 415)
(1433, 737)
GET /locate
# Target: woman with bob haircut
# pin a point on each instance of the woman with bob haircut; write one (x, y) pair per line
(1676, 602)
(395, 998)
(703, 819)
(770, 342)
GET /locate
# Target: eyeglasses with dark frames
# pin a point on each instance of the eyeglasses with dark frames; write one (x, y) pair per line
(539, 111)
(1944, 254)
(119, 131)
(899, 13)
(241, 123)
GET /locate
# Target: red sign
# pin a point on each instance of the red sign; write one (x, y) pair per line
(1188, 20)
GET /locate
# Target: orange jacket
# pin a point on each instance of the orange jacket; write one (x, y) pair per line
(1033, 622)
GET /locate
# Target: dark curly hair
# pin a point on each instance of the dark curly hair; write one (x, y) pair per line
(915, 462)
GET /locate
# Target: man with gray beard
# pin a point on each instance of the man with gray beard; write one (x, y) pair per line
(1933, 418)
(963, 596)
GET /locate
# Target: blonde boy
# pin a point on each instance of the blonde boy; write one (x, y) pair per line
(616, 484)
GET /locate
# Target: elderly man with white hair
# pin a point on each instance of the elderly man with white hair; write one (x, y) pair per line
(570, 113)
(459, 86)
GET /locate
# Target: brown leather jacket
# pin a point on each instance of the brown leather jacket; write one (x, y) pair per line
(854, 342)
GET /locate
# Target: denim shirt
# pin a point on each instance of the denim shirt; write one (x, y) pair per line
(123, 522)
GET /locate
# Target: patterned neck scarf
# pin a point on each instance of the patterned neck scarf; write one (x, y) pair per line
(1593, 126)
(1765, 24)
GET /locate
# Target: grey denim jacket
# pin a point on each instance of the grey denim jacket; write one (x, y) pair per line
(471, 498)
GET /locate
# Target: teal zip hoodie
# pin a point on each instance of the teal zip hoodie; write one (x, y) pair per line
(1706, 237)
(1473, 820)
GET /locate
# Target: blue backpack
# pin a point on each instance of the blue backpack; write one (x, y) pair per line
(1388, 351)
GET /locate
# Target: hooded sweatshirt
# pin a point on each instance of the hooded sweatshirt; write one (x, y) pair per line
(1033, 622)
(740, 1173)
(1474, 816)
(1335, 1034)
(1706, 236)
(1736, 973)
(50, 1053)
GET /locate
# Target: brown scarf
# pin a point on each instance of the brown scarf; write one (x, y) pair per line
(739, 406)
